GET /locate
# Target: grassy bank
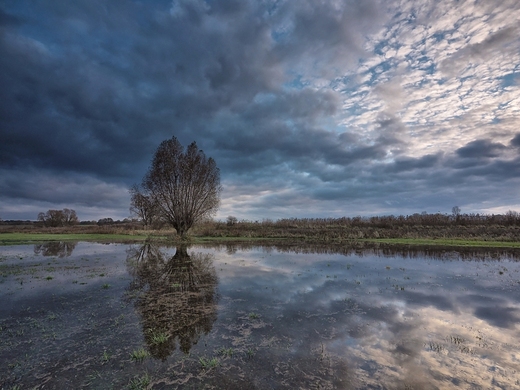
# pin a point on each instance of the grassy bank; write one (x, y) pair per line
(445, 243)
(31, 238)
(34, 238)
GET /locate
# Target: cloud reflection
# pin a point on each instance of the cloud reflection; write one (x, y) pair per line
(424, 321)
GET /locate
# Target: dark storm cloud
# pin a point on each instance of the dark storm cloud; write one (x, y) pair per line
(410, 164)
(89, 89)
(503, 317)
(516, 140)
(6, 19)
(480, 149)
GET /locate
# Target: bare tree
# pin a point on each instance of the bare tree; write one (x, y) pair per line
(142, 206)
(69, 217)
(184, 185)
(54, 218)
(455, 210)
(231, 220)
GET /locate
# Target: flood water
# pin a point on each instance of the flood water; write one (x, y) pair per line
(102, 316)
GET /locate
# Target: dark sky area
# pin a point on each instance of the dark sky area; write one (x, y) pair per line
(310, 108)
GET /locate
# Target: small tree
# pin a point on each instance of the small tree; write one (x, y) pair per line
(105, 221)
(69, 217)
(54, 218)
(183, 185)
(231, 220)
(455, 210)
(142, 206)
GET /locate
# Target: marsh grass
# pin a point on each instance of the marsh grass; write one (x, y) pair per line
(208, 364)
(25, 238)
(496, 231)
(139, 382)
(106, 357)
(158, 338)
(139, 355)
(253, 316)
(226, 352)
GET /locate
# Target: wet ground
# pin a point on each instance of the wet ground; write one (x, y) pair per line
(102, 316)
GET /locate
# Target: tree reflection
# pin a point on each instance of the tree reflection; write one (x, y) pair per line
(175, 296)
(55, 248)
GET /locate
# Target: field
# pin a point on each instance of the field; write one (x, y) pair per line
(418, 229)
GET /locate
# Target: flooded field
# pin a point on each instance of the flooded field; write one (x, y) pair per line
(102, 316)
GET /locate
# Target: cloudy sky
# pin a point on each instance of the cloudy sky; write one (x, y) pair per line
(309, 107)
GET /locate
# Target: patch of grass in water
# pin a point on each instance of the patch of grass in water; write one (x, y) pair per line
(227, 352)
(158, 337)
(139, 382)
(207, 364)
(139, 355)
(106, 357)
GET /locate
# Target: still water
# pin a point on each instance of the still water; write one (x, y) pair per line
(102, 316)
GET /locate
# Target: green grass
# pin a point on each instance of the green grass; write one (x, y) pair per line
(139, 382)
(208, 363)
(106, 357)
(158, 337)
(24, 238)
(30, 238)
(226, 352)
(139, 355)
(446, 242)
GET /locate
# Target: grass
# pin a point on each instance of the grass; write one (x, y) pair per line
(158, 337)
(106, 357)
(25, 238)
(139, 383)
(226, 352)
(253, 316)
(28, 238)
(445, 242)
(139, 355)
(207, 364)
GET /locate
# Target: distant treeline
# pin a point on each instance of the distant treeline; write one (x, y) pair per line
(502, 227)
(100, 222)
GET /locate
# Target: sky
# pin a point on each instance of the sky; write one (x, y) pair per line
(311, 108)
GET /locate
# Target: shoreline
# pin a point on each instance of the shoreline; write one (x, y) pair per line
(34, 237)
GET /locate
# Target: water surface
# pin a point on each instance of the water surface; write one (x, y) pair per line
(117, 316)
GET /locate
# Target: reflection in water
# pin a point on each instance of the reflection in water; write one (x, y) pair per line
(288, 318)
(176, 297)
(417, 319)
(55, 248)
(364, 249)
